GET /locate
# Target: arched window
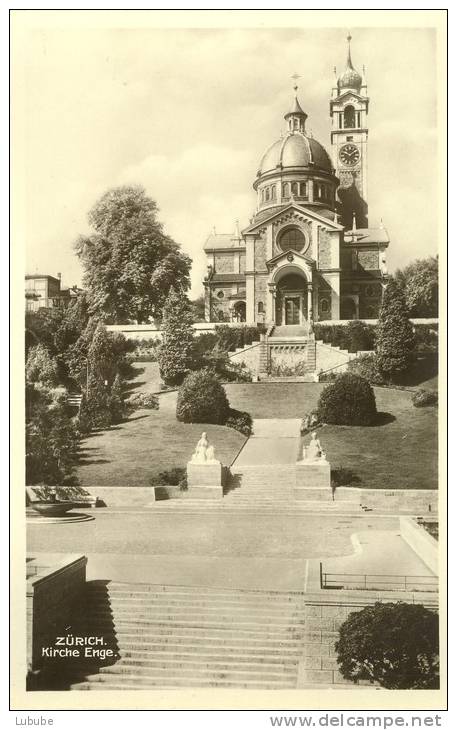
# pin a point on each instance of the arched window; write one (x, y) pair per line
(267, 194)
(349, 117)
(260, 307)
(285, 190)
(303, 189)
(292, 238)
(294, 188)
(325, 306)
(273, 192)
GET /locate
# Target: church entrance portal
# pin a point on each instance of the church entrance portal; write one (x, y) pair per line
(292, 306)
(291, 300)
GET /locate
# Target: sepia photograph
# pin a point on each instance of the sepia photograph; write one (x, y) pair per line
(233, 256)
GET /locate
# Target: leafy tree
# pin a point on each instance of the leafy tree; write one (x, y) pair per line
(394, 644)
(41, 367)
(176, 352)
(51, 438)
(130, 263)
(395, 340)
(41, 326)
(419, 281)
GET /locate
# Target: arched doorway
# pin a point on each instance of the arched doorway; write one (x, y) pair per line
(239, 312)
(291, 300)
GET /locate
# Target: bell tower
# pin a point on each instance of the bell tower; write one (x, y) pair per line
(349, 136)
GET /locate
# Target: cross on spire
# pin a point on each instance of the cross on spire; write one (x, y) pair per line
(295, 77)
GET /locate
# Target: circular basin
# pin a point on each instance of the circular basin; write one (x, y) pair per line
(53, 509)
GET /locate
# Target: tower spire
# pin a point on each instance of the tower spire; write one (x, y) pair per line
(349, 59)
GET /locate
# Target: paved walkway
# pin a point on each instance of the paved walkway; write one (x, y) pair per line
(274, 441)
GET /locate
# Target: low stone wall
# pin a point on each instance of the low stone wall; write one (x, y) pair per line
(423, 544)
(414, 501)
(123, 496)
(54, 592)
(318, 663)
(153, 332)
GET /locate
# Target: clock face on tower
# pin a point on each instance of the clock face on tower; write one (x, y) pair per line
(349, 154)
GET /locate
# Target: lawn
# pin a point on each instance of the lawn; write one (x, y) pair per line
(149, 442)
(400, 452)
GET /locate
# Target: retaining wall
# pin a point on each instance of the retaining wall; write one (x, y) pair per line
(414, 501)
(423, 544)
(53, 597)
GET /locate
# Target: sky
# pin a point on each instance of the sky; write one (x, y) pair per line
(188, 113)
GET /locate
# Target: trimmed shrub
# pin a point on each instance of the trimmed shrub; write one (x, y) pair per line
(354, 336)
(230, 338)
(202, 399)
(143, 400)
(348, 401)
(366, 367)
(175, 353)
(240, 421)
(361, 336)
(423, 398)
(394, 644)
(395, 340)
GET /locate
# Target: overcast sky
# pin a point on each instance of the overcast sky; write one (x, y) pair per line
(188, 115)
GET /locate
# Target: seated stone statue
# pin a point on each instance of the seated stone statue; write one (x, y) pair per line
(314, 451)
(199, 455)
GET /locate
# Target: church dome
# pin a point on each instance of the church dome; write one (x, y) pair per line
(295, 150)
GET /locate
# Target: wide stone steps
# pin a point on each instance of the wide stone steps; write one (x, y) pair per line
(211, 616)
(184, 594)
(176, 651)
(127, 639)
(102, 682)
(180, 636)
(185, 605)
(190, 667)
(194, 628)
(253, 505)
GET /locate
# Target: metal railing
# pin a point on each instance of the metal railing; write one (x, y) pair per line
(374, 582)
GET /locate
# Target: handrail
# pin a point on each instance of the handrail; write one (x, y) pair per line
(363, 581)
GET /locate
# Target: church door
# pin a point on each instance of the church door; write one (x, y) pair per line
(292, 313)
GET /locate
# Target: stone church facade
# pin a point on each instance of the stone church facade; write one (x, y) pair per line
(308, 254)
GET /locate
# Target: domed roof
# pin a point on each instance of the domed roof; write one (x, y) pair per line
(350, 79)
(295, 150)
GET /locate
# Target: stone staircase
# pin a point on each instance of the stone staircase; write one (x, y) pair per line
(264, 486)
(181, 636)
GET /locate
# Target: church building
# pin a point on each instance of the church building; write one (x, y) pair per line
(308, 253)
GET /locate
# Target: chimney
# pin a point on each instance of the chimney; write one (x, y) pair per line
(59, 276)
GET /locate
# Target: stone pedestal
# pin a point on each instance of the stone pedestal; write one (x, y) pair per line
(204, 481)
(312, 479)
